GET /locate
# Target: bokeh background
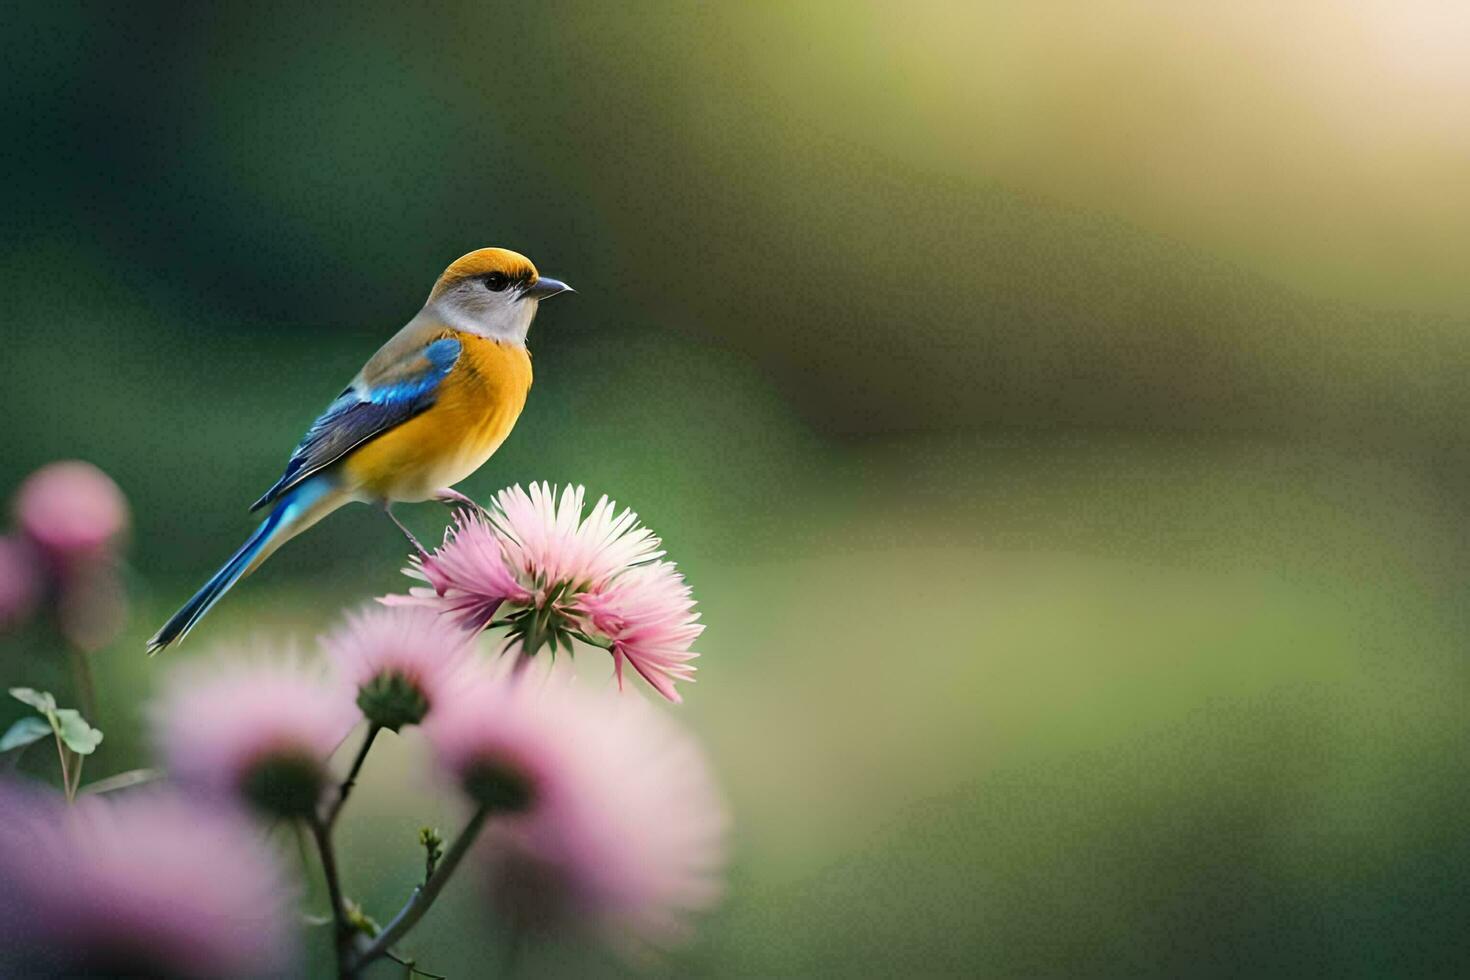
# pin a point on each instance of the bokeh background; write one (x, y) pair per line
(1059, 410)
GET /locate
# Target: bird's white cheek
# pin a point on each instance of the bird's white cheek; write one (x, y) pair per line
(509, 319)
(498, 316)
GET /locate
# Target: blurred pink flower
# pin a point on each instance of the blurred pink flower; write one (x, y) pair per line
(72, 510)
(142, 884)
(401, 661)
(604, 815)
(20, 581)
(92, 606)
(253, 727)
(565, 576)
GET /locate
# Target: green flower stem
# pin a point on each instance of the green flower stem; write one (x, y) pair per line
(345, 789)
(422, 897)
(538, 628)
(81, 666)
(343, 931)
(65, 770)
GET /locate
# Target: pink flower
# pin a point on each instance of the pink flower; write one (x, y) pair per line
(72, 510)
(603, 815)
(142, 884)
(647, 616)
(548, 541)
(20, 581)
(402, 661)
(255, 728)
(556, 575)
(470, 575)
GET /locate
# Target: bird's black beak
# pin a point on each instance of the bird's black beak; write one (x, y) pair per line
(545, 288)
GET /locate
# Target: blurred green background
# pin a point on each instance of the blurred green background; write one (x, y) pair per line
(1060, 412)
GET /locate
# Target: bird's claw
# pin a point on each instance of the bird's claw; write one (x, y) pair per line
(452, 499)
(423, 552)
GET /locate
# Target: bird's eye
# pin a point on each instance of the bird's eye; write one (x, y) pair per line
(496, 281)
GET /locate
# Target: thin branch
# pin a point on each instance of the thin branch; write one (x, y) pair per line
(423, 897)
(345, 789)
(413, 968)
(323, 836)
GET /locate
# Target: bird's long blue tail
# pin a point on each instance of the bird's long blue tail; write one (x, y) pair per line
(292, 514)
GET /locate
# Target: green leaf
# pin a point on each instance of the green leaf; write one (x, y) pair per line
(25, 731)
(359, 920)
(433, 844)
(79, 736)
(42, 701)
(133, 777)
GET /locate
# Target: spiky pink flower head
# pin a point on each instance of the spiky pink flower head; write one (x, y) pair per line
(145, 884)
(603, 814)
(557, 574)
(259, 729)
(20, 581)
(647, 617)
(72, 510)
(402, 661)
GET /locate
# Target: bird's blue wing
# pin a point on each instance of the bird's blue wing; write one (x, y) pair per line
(366, 410)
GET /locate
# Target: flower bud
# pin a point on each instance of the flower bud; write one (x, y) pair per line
(390, 700)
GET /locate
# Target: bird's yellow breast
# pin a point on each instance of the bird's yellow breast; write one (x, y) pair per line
(477, 405)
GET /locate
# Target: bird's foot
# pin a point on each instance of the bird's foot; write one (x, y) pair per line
(423, 552)
(452, 499)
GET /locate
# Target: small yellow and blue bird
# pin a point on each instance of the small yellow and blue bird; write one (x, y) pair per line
(426, 411)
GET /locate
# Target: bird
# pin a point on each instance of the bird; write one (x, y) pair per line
(426, 411)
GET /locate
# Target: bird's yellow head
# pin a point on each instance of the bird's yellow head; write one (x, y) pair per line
(492, 291)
